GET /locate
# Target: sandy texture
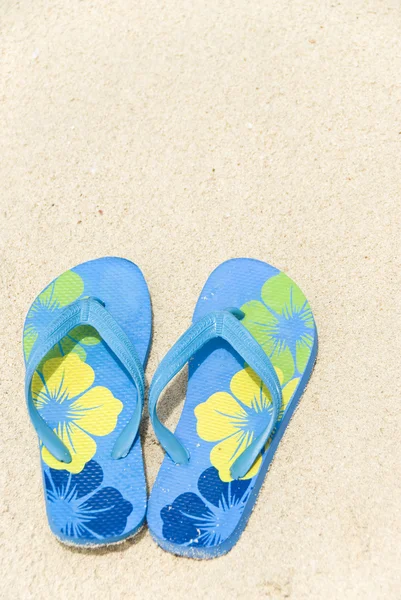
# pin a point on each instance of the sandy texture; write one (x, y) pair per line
(181, 134)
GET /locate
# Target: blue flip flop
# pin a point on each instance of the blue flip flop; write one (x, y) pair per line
(251, 350)
(86, 341)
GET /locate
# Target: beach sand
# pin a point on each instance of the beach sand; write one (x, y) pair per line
(179, 135)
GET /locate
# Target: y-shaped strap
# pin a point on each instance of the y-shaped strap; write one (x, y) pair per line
(224, 324)
(88, 311)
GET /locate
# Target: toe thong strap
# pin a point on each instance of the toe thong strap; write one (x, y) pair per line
(88, 311)
(226, 325)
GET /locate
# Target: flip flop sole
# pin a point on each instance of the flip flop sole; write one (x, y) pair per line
(197, 510)
(83, 391)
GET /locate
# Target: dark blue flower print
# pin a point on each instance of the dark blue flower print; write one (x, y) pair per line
(208, 520)
(80, 508)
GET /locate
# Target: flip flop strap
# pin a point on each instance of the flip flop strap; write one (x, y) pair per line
(223, 324)
(88, 311)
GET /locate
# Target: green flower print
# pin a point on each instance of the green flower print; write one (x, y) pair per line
(61, 292)
(282, 324)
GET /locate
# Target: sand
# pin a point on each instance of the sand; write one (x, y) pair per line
(178, 135)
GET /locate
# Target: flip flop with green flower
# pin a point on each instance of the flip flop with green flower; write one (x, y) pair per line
(86, 341)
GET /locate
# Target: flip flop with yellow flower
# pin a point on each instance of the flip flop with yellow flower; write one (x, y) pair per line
(86, 341)
(250, 350)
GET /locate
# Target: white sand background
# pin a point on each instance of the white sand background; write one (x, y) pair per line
(180, 134)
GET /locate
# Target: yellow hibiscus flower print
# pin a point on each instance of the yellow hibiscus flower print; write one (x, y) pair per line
(235, 419)
(63, 392)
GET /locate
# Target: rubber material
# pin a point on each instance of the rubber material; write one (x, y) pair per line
(88, 311)
(226, 325)
(197, 509)
(88, 395)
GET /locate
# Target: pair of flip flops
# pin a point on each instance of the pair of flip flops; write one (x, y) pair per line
(251, 349)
